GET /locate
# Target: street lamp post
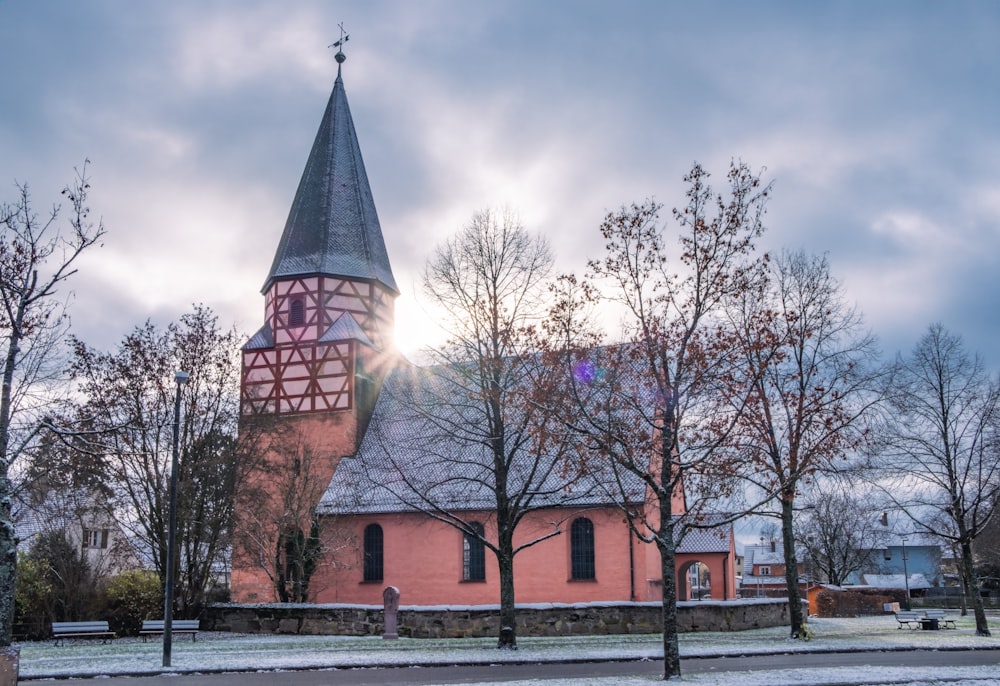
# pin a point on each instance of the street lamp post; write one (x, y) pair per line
(906, 574)
(180, 378)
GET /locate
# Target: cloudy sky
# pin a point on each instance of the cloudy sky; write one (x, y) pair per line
(879, 124)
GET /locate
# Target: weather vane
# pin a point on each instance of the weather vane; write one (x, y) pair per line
(340, 56)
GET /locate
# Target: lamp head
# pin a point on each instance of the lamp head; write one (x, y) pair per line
(181, 378)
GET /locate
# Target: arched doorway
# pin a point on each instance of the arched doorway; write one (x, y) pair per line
(694, 581)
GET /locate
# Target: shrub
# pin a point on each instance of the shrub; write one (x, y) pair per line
(33, 598)
(855, 602)
(134, 596)
(75, 595)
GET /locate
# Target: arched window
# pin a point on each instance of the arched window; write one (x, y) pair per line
(581, 543)
(474, 555)
(373, 553)
(296, 312)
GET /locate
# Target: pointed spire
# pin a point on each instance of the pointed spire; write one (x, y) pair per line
(332, 227)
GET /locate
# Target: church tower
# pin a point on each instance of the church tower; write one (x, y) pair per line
(330, 290)
(311, 373)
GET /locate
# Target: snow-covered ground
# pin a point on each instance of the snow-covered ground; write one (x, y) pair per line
(230, 652)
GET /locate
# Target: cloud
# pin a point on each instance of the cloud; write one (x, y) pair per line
(875, 122)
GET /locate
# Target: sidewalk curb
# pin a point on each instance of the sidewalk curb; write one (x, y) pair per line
(479, 663)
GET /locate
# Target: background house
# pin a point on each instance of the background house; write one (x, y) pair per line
(764, 572)
(78, 515)
(917, 558)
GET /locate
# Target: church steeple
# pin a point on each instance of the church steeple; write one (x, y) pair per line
(332, 227)
(311, 374)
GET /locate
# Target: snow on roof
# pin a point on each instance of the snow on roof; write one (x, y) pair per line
(916, 581)
(767, 557)
(715, 540)
(57, 511)
(405, 456)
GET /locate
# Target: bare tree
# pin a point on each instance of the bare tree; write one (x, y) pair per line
(125, 426)
(477, 439)
(987, 549)
(37, 257)
(278, 530)
(987, 553)
(809, 362)
(840, 530)
(651, 410)
(940, 448)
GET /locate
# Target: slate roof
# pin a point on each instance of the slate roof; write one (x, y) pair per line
(706, 540)
(344, 329)
(767, 557)
(332, 227)
(263, 339)
(49, 515)
(405, 453)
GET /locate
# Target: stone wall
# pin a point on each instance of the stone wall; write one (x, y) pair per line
(483, 620)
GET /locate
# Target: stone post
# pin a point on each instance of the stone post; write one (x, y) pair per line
(390, 599)
(10, 657)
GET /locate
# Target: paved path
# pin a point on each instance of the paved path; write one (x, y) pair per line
(880, 662)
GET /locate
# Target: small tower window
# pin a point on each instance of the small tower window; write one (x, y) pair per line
(296, 312)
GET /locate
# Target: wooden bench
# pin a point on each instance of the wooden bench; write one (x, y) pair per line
(908, 618)
(154, 627)
(943, 621)
(64, 630)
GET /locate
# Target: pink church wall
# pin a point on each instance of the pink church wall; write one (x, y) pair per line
(423, 558)
(324, 436)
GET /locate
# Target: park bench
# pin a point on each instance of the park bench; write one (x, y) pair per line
(154, 627)
(939, 615)
(64, 630)
(908, 618)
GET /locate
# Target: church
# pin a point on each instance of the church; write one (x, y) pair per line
(321, 383)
